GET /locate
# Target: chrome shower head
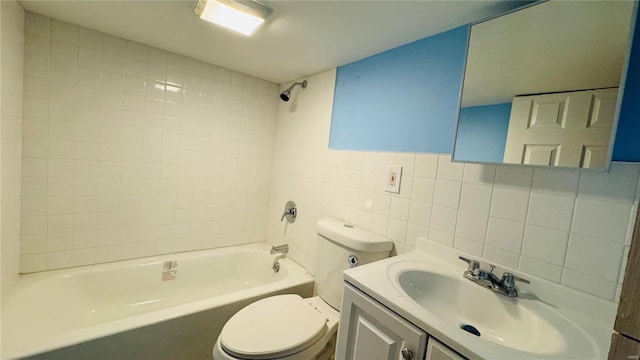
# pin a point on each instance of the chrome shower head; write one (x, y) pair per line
(286, 95)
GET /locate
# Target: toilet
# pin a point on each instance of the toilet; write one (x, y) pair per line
(289, 327)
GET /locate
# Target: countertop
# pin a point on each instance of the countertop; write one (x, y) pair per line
(587, 320)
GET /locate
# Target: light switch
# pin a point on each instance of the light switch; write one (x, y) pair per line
(392, 180)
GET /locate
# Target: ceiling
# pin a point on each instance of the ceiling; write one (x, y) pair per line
(300, 38)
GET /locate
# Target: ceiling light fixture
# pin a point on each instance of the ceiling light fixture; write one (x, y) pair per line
(241, 16)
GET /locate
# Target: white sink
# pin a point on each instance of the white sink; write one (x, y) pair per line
(547, 321)
(497, 318)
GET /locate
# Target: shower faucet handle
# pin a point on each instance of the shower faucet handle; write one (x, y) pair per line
(290, 212)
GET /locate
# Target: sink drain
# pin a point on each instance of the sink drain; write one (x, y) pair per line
(470, 329)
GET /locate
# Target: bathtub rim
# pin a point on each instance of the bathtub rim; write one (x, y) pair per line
(297, 275)
(27, 279)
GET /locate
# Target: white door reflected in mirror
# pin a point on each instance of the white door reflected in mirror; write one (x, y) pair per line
(531, 66)
(570, 129)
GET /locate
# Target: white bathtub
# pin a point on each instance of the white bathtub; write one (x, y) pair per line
(125, 310)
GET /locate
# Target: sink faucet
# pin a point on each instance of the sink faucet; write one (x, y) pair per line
(508, 284)
(280, 249)
(505, 285)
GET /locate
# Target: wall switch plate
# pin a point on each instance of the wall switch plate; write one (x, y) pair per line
(392, 180)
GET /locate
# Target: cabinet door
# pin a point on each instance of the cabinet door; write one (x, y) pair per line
(369, 331)
(439, 351)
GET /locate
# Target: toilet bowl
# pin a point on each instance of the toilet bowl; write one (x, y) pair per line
(284, 327)
(288, 327)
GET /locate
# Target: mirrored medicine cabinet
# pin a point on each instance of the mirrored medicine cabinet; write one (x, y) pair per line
(542, 85)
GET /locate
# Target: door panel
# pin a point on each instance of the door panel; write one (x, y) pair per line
(594, 156)
(439, 351)
(371, 342)
(564, 129)
(369, 331)
(541, 155)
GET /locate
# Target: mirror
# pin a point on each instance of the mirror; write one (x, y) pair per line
(542, 85)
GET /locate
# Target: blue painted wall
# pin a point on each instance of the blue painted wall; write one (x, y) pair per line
(482, 133)
(627, 143)
(405, 99)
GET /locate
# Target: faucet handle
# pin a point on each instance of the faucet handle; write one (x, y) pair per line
(508, 280)
(508, 283)
(474, 265)
(290, 212)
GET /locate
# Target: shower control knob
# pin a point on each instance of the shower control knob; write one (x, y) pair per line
(407, 354)
(290, 212)
(352, 260)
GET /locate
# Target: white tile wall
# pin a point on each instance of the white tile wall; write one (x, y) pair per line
(509, 204)
(567, 226)
(505, 234)
(476, 198)
(472, 226)
(544, 243)
(132, 151)
(11, 102)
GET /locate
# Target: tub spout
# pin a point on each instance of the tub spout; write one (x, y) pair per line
(280, 249)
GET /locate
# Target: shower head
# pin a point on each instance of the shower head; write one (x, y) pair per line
(286, 95)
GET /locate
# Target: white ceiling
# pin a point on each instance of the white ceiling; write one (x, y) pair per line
(300, 38)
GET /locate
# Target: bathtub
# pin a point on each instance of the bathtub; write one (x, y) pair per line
(164, 307)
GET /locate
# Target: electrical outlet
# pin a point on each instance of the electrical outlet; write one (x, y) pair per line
(392, 181)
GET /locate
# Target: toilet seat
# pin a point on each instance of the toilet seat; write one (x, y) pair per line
(282, 325)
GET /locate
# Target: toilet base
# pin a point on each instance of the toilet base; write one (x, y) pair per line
(329, 351)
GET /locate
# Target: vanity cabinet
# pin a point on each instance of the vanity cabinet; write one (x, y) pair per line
(368, 330)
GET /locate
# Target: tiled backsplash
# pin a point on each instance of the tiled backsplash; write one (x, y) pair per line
(568, 226)
(132, 151)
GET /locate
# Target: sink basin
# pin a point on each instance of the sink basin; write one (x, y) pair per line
(547, 321)
(497, 318)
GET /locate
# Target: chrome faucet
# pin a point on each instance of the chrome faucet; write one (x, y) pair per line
(505, 285)
(508, 282)
(280, 249)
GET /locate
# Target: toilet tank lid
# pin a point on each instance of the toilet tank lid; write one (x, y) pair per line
(352, 236)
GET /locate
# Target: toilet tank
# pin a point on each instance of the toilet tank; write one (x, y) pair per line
(342, 246)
